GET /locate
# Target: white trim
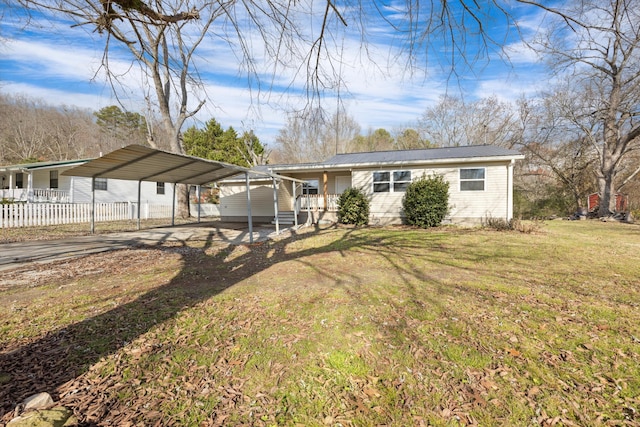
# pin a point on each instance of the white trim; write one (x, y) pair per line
(483, 179)
(395, 164)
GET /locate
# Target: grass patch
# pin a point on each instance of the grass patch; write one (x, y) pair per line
(365, 326)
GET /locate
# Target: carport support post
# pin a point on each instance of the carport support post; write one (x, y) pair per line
(249, 217)
(173, 205)
(199, 203)
(295, 205)
(275, 204)
(309, 221)
(93, 204)
(139, 194)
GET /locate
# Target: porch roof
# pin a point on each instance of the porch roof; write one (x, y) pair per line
(41, 165)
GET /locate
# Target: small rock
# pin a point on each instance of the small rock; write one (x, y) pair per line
(37, 401)
(54, 417)
(630, 219)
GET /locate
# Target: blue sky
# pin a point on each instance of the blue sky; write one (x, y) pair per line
(52, 61)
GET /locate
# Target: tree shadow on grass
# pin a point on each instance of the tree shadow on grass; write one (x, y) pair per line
(62, 355)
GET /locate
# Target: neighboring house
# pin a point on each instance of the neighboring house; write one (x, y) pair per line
(480, 178)
(44, 182)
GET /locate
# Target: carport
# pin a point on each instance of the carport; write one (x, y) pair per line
(140, 163)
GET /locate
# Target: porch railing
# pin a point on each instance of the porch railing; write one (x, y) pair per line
(49, 196)
(315, 202)
(37, 195)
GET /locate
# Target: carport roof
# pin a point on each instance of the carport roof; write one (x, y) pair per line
(140, 163)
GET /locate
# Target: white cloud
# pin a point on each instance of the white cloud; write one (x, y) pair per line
(51, 60)
(378, 93)
(57, 97)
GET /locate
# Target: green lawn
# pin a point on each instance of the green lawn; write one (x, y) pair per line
(342, 326)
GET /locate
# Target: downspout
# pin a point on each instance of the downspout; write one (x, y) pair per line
(510, 190)
(275, 204)
(249, 217)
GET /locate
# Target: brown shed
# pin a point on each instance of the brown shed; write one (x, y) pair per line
(622, 202)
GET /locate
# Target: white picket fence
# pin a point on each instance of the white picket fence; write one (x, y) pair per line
(42, 214)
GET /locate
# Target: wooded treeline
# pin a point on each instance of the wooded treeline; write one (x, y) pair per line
(559, 172)
(32, 131)
(582, 135)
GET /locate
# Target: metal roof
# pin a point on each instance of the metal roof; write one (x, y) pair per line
(140, 163)
(426, 156)
(42, 165)
(423, 155)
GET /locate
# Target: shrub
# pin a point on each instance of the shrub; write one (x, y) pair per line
(426, 201)
(501, 224)
(353, 207)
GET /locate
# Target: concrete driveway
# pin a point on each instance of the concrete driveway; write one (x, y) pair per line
(13, 255)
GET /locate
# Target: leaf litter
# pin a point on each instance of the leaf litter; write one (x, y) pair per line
(262, 351)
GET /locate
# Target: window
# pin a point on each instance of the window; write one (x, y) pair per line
(53, 179)
(311, 186)
(401, 180)
(381, 182)
(396, 181)
(19, 180)
(159, 187)
(100, 184)
(472, 179)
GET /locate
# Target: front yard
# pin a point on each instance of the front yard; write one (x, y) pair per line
(337, 327)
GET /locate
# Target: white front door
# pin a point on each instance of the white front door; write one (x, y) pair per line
(342, 183)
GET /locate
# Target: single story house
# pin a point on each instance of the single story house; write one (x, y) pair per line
(480, 178)
(44, 182)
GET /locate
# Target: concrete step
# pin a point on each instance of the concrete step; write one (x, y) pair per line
(285, 218)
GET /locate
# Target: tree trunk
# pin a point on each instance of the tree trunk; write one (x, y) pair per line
(183, 201)
(607, 195)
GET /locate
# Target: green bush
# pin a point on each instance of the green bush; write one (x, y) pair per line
(426, 201)
(353, 207)
(501, 224)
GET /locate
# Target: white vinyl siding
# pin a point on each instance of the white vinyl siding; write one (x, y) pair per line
(465, 206)
(233, 200)
(42, 179)
(119, 190)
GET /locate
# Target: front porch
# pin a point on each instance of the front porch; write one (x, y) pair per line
(310, 208)
(35, 195)
(317, 202)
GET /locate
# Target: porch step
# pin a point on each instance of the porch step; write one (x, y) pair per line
(285, 218)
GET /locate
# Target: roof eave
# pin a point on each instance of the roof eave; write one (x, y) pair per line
(323, 166)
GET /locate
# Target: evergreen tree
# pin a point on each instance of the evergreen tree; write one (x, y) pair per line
(214, 143)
